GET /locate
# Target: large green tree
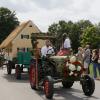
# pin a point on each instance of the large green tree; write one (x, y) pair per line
(8, 21)
(70, 28)
(91, 36)
(80, 33)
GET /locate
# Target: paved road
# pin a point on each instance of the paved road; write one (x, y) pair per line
(12, 89)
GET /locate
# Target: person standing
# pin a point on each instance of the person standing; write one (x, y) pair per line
(99, 63)
(66, 46)
(86, 58)
(80, 54)
(67, 43)
(95, 62)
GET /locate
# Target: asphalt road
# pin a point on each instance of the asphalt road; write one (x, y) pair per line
(12, 89)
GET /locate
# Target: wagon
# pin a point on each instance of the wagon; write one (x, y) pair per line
(19, 63)
(46, 71)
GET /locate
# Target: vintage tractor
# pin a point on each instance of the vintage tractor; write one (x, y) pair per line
(19, 63)
(63, 67)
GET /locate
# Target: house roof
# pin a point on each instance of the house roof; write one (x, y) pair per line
(15, 32)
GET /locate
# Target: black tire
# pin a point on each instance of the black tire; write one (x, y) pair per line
(67, 84)
(18, 72)
(88, 85)
(9, 68)
(32, 76)
(48, 87)
(21, 68)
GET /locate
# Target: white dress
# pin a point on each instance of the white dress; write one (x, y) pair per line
(67, 43)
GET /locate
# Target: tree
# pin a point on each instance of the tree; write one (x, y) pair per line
(62, 27)
(75, 37)
(8, 22)
(80, 33)
(90, 36)
(83, 24)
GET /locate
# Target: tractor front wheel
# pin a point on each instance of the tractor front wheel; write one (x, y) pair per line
(48, 87)
(88, 85)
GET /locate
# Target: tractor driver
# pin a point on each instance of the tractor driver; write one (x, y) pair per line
(47, 49)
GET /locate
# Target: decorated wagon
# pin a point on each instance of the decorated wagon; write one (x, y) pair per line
(63, 67)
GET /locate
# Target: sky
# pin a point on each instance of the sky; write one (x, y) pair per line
(46, 12)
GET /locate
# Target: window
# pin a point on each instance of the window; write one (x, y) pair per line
(30, 25)
(17, 49)
(21, 36)
(24, 36)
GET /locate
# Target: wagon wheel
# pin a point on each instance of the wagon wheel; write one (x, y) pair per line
(18, 72)
(48, 87)
(88, 85)
(32, 76)
(9, 68)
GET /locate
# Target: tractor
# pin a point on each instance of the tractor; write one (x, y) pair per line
(62, 67)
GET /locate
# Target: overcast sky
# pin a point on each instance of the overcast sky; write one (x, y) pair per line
(45, 12)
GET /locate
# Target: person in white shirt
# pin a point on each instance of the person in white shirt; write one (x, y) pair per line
(67, 43)
(47, 49)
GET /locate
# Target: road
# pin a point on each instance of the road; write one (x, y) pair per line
(12, 89)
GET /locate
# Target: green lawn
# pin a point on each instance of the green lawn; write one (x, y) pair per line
(91, 70)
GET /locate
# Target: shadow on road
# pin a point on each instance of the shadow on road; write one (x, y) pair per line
(11, 78)
(61, 93)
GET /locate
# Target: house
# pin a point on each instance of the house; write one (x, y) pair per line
(20, 38)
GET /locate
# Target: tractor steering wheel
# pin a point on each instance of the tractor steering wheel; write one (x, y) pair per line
(51, 52)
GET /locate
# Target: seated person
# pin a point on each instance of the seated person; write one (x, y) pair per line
(47, 49)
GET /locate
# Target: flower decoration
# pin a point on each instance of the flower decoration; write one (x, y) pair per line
(72, 59)
(79, 68)
(75, 74)
(72, 67)
(71, 73)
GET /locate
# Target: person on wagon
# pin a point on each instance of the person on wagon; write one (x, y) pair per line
(66, 46)
(67, 43)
